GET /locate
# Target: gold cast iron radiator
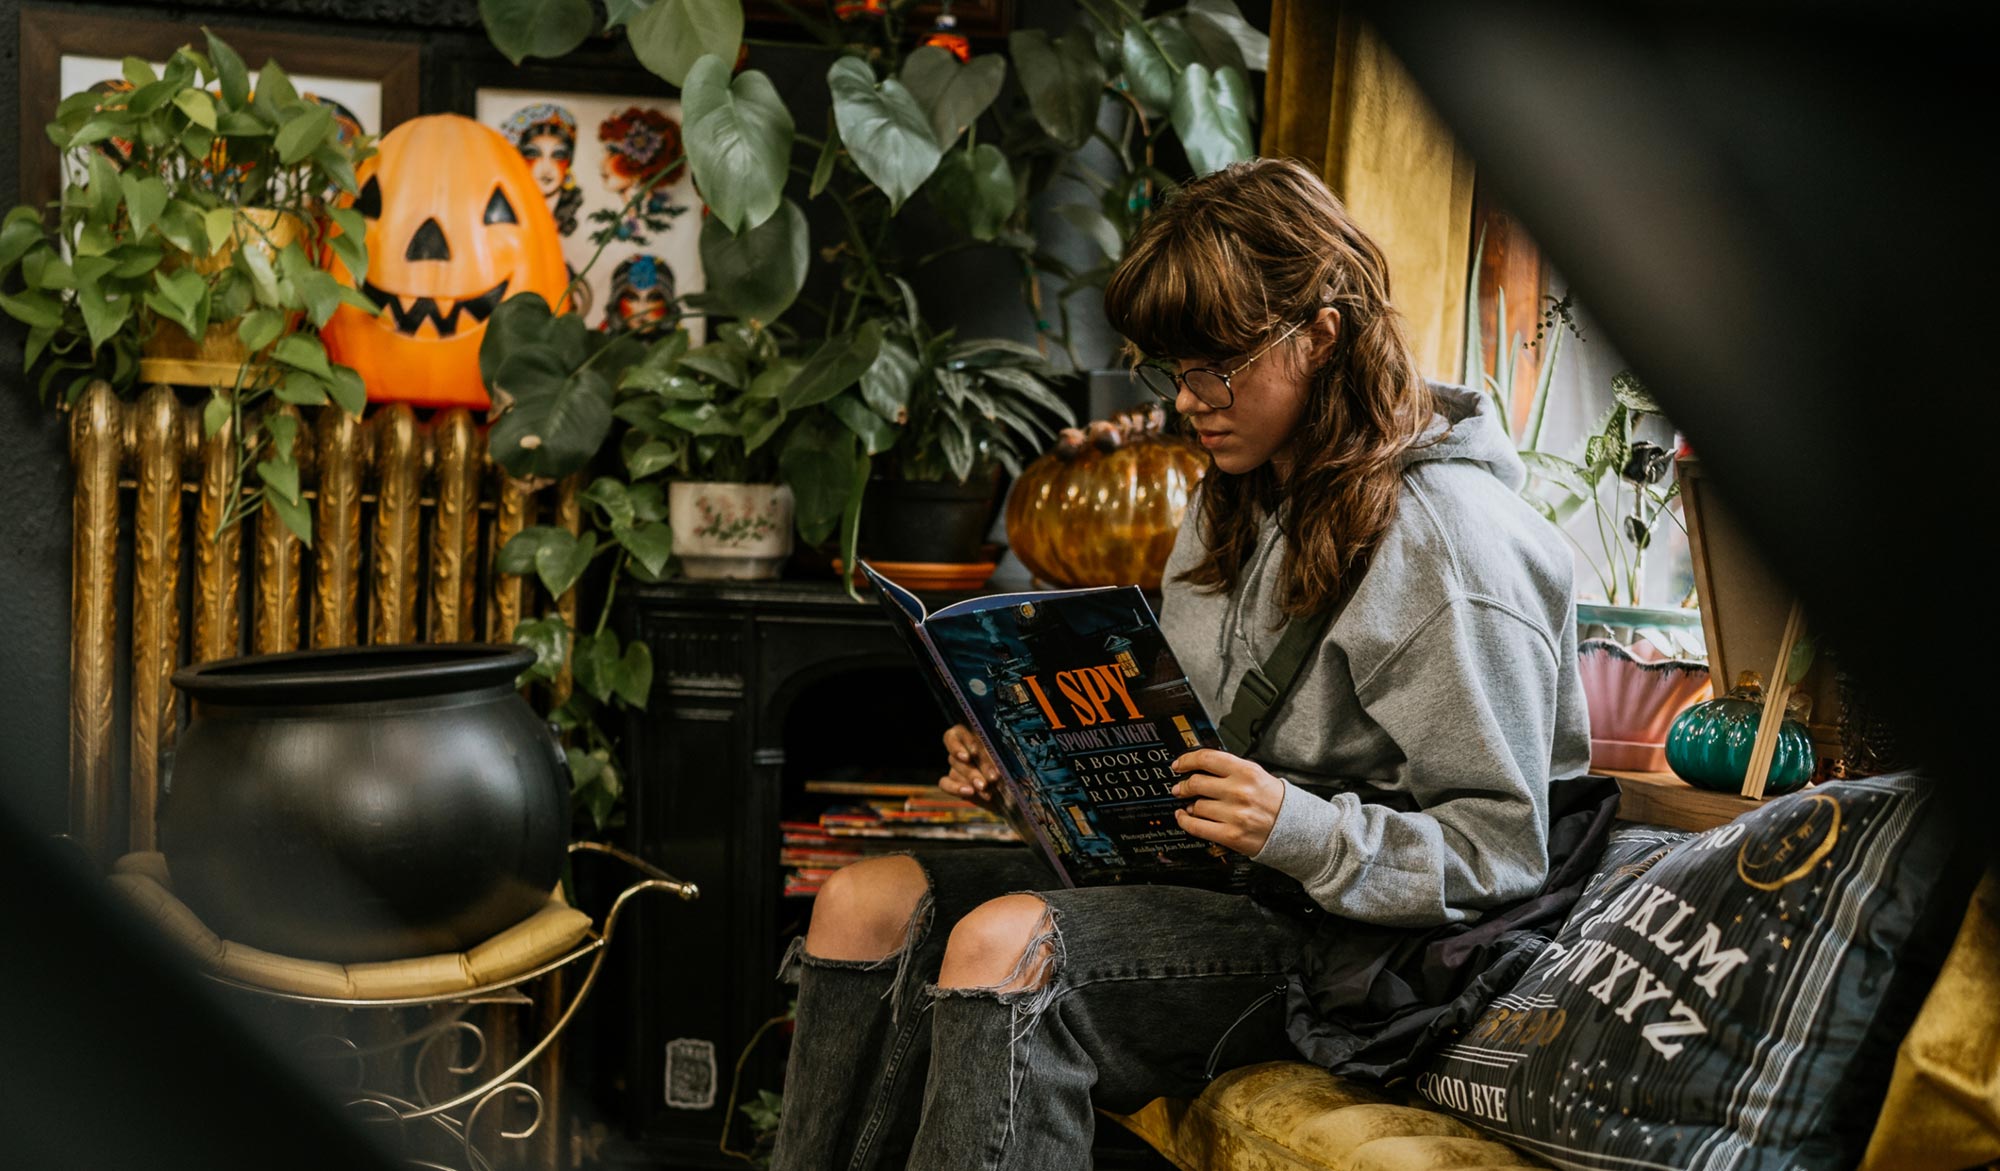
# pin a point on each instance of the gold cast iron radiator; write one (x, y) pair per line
(414, 510)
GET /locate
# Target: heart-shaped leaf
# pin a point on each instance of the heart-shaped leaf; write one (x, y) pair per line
(671, 35)
(517, 556)
(974, 190)
(229, 71)
(888, 384)
(1064, 81)
(560, 564)
(1211, 21)
(104, 314)
(887, 133)
(558, 417)
(216, 412)
(301, 389)
(536, 28)
(303, 353)
(549, 639)
(838, 364)
(1153, 54)
(145, 199)
(654, 455)
(739, 142)
(198, 105)
(21, 231)
(294, 515)
(520, 321)
(756, 276)
(632, 682)
(954, 94)
(260, 328)
(281, 477)
(1211, 113)
(617, 12)
(876, 433)
(595, 664)
(347, 389)
(819, 460)
(33, 308)
(649, 501)
(302, 133)
(610, 495)
(651, 543)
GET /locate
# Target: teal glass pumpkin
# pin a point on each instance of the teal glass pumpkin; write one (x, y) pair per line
(1709, 744)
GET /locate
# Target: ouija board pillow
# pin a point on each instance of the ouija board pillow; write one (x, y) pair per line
(1728, 1000)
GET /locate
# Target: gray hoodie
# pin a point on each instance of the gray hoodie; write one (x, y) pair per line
(1419, 741)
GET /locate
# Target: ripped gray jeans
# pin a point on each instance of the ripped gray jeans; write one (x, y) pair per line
(1150, 991)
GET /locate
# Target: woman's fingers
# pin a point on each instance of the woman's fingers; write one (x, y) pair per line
(964, 748)
(1208, 760)
(1216, 811)
(1204, 785)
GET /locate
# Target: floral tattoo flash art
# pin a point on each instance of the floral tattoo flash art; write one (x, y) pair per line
(641, 145)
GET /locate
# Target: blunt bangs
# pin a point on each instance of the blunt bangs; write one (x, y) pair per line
(1186, 290)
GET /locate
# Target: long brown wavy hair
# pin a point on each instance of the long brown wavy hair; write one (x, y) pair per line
(1231, 259)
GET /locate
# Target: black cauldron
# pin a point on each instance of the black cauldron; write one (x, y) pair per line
(364, 804)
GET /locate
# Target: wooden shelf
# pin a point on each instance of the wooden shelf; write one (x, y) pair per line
(1665, 799)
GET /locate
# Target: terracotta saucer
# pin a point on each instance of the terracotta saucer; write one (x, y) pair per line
(930, 575)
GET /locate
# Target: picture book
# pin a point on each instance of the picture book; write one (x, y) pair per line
(1083, 708)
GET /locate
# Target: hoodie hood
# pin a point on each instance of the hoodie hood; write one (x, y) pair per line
(1467, 427)
(1419, 738)
(1464, 428)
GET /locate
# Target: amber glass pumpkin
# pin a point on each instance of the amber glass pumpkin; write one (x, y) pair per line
(455, 226)
(1103, 507)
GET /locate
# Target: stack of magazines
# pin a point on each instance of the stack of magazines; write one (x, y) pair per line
(875, 817)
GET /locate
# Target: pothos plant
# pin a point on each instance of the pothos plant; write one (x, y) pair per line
(198, 201)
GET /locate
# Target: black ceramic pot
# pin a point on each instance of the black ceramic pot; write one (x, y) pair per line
(926, 521)
(364, 804)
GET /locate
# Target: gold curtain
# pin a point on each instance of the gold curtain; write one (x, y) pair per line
(1335, 98)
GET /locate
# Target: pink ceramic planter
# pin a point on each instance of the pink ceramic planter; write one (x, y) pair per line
(1633, 696)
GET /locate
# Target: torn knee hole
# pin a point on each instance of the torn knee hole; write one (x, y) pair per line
(1007, 946)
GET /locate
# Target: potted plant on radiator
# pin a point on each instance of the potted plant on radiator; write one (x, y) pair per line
(188, 248)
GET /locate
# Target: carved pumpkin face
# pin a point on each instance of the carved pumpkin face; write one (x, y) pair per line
(455, 226)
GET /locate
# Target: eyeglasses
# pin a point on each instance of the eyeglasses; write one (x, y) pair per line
(1212, 387)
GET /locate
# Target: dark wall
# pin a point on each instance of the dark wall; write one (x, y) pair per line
(34, 544)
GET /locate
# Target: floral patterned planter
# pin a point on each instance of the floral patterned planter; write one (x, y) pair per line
(730, 531)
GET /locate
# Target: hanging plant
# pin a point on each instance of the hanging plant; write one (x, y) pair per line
(197, 216)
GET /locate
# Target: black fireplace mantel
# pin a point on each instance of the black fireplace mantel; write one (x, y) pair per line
(707, 772)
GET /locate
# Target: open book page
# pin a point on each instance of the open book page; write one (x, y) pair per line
(907, 615)
(1083, 697)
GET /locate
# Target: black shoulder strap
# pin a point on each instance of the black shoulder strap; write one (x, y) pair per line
(1263, 688)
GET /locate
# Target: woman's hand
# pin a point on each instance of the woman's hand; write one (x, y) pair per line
(1236, 800)
(972, 777)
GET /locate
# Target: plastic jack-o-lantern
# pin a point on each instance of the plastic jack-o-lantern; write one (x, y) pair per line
(1104, 506)
(455, 226)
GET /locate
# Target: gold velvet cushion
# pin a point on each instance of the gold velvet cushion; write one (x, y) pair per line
(1943, 1107)
(1290, 1116)
(548, 933)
